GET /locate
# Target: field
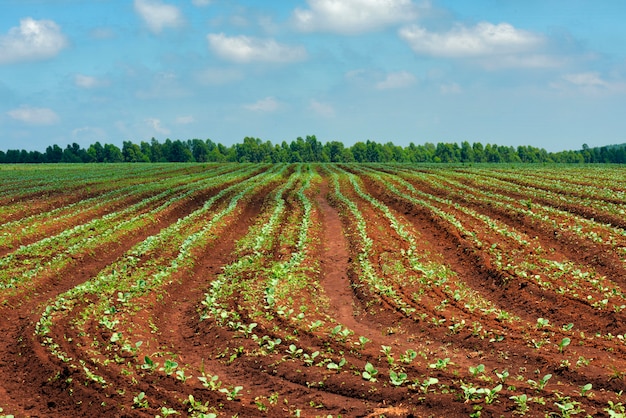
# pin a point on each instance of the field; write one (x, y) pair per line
(312, 290)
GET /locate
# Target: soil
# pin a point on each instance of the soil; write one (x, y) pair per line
(411, 315)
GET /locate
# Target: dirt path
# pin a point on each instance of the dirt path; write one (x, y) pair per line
(335, 262)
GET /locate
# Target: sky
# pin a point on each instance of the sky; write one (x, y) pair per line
(546, 73)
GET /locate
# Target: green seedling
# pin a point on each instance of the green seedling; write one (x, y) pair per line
(148, 364)
(427, 383)
(336, 366)
(564, 343)
(521, 402)
(502, 376)
(541, 384)
(294, 351)
(169, 367)
(370, 372)
(397, 379)
(476, 370)
(166, 412)
(440, 364)
(232, 393)
(140, 401)
(408, 356)
(210, 382)
(584, 390)
(542, 323)
(309, 359)
(492, 394)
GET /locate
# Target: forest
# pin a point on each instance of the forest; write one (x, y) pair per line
(310, 149)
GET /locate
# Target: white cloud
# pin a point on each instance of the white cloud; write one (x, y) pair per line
(34, 115)
(158, 15)
(156, 126)
(352, 16)
(32, 40)
(397, 80)
(201, 3)
(88, 82)
(246, 49)
(268, 104)
(185, 120)
(483, 40)
(322, 109)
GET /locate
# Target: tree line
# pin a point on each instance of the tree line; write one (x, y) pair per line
(309, 149)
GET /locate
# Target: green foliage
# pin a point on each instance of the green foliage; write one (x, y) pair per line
(309, 149)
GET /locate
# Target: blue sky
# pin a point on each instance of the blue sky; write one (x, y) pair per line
(547, 73)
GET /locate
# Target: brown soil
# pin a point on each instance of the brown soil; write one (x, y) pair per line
(410, 314)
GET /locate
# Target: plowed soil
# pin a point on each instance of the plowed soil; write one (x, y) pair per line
(466, 325)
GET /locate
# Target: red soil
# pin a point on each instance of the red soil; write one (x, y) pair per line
(34, 383)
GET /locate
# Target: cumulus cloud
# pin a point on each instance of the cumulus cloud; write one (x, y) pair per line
(34, 115)
(484, 39)
(397, 80)
(158, 15)
(32, 40)
(245, 49)
(352, 16)
(322, 109)
(268, 104)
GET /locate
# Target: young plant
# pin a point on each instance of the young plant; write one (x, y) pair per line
(440, 364)
(427, 383)
(521, 402)
(408, 356)
(397, 379)
(502, 376)
(541, 384)
(564, 343)
(336, 366)
(212, 382)
(310, 359)
(476, 370)
(370, 372)
(492, 394)
(568, 407)
(294, 351)
(169, 367)
(180, 375)
(542, 323)
(140, 401)
(166, 412)
(584, 390)
(148, 364)
(232, 393)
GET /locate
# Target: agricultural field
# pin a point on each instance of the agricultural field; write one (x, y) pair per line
(220, 290)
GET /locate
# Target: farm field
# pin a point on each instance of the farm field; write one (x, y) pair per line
(312, 290)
